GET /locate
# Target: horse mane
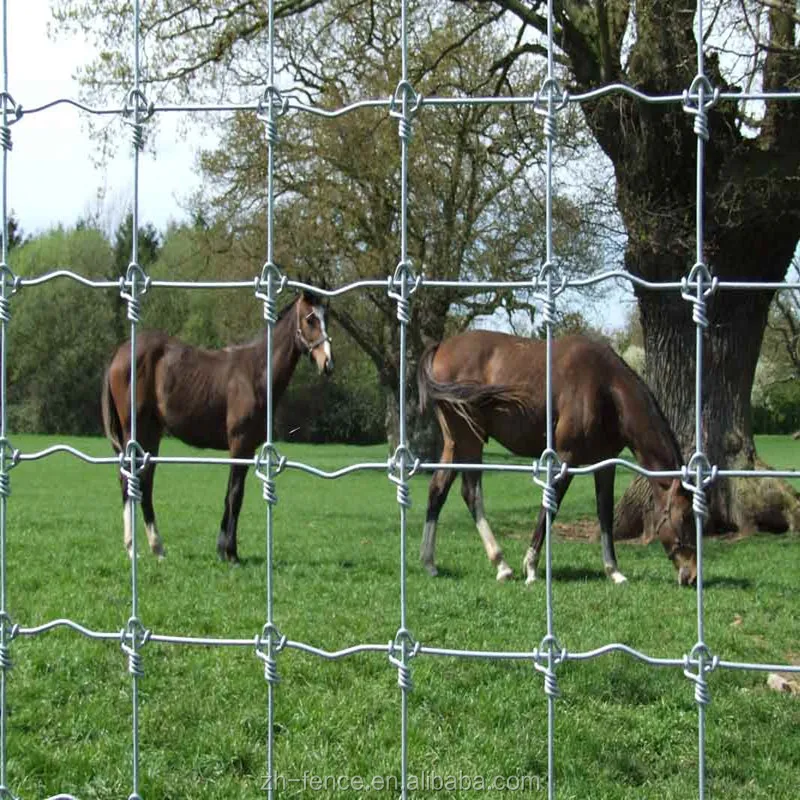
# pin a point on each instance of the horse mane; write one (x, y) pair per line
(286, 309)
(258, 338)
(659, 413)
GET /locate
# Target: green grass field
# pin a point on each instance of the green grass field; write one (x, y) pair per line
(623, 729)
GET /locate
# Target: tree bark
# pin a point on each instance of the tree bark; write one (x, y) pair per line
(730, 348)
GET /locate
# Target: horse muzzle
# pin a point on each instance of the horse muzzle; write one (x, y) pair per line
(687, 577)
(322, 357)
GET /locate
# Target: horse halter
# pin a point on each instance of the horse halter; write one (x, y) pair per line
(679, 543)
(310, 346)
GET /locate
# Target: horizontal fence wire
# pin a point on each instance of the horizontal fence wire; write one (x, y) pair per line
(19, 457)
(401, 467)
(385, 103)
(373, 283)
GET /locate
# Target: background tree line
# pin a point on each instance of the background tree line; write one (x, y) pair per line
(62, 335)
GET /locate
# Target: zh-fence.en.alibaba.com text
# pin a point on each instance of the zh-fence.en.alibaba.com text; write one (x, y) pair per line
(425, 781)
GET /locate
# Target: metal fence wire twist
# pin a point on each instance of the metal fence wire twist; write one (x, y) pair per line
(403, 648)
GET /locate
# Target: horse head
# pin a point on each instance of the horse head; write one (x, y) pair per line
(676, 531)
(312, 334)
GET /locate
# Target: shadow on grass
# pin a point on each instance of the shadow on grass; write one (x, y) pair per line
(578, 574)
(727, 583)
(445, 573)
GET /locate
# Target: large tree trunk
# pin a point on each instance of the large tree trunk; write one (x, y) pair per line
(731, 346)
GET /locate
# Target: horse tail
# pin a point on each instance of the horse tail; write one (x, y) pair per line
(424, 378)
(464, 398)
(112, 426)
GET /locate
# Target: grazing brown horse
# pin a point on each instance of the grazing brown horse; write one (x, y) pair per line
(207, 398)
(488, 384)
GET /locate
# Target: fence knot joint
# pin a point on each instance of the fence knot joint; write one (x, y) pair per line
(408, 646)
(132, 637)
(268, 644)
(268, 285)
(701, 658)
(698, 278)
(396, 465)
(408, 283)
(132, 286)
(697, 100)
(269, 463)
(546, 657)
(696, 477)
(403, 106)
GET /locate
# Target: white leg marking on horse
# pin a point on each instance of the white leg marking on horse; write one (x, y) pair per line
(613, 572)
(489, 542)
(156, 545)
(528, 567)
(504, 572)
(427, 546)
(127, 510)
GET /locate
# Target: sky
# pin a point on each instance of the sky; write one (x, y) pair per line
(51, 176)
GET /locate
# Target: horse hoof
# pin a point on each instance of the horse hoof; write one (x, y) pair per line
(618, 577)
(504, 572)
(430, 568)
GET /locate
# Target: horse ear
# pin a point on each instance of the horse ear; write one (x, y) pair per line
(316, 298)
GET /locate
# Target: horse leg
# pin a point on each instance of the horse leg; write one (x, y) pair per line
(127, 517)
(149, 443)
(530, 564)
(226, 543)
(153, 538)
(128, 507)
(604, 493)
(440, 485)
(473, 497)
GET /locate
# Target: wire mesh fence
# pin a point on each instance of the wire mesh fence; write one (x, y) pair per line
(697, 663)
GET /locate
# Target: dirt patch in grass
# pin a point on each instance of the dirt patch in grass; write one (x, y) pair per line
(583, 530)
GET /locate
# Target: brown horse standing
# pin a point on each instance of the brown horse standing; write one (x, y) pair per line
(207, 398)
(488, 384)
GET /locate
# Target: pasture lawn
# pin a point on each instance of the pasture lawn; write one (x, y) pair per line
(623, 729)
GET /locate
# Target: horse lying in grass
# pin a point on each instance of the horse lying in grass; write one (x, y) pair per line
(488, 384)
(207, 398)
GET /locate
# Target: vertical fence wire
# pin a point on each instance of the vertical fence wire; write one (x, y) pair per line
(404, 95)
(270, 274)
(701, 272)
(5, 290)
(133, 287)
(550, 685)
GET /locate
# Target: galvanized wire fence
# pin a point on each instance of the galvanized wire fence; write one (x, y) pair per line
(547, 284)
